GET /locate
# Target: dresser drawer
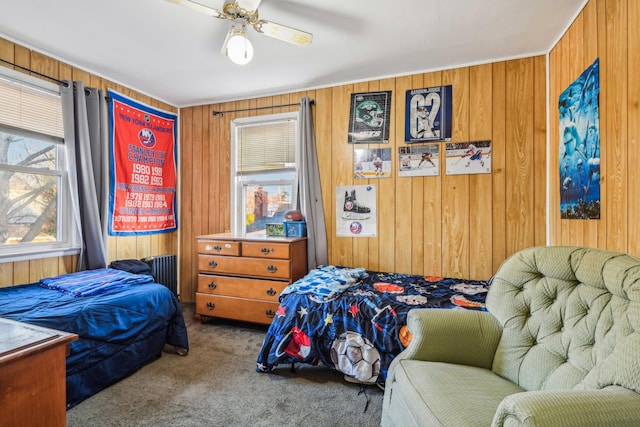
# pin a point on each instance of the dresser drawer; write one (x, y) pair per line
(254, 267)
(236, 308)
(267, 290)
(266, 250)
(219, 247)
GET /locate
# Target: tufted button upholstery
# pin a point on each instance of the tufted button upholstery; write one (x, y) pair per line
(559, 346)
(566, 318)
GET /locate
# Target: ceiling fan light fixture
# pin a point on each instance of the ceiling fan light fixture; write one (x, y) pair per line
(237, 47)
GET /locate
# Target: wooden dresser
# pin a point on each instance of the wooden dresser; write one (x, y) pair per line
(241, 278)
(33, 375)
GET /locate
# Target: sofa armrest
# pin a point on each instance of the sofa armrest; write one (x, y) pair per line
(453, 336)
(581, 408)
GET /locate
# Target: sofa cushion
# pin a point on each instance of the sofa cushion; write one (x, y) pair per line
(616, 355)
(434, 393)
(574, 320)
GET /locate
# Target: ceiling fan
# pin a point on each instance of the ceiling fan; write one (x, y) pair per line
(245, 12)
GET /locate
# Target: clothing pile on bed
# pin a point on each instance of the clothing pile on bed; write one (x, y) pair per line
(94, 282)
(325, 282)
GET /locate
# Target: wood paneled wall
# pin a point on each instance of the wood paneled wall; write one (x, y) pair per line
(607, 29)
(117, 247)
(457, 226)
(461, 226)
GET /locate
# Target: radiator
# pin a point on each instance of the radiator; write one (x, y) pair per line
(164, 271)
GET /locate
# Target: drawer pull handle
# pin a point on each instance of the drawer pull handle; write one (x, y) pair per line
(211, 305)
(217, 248)
(272, 269)
(270, 313)
(265, 250)
(213, 264)
(212, 285)
(271, 292)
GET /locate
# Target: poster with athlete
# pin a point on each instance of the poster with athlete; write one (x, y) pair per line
(370, 117)
(463, 158)
(422, 160)
(372, 163)
(428, 114)
(579, 147)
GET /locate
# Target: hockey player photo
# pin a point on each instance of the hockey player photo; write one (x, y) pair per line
(419, 160)
(426, 159)
(372, 163)
(468, 157)
(428, 114)
(356, 211)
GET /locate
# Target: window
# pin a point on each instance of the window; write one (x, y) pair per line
(264, 170)
(34, 214)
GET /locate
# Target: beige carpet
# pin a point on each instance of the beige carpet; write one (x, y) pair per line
(217, 385)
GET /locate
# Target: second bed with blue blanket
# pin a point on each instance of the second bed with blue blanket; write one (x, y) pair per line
(123, 321)
(355, 320)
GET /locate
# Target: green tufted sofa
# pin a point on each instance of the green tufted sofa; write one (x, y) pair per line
(559, 346)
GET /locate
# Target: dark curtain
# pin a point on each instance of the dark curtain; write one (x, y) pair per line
(87, 153)
(310, 193)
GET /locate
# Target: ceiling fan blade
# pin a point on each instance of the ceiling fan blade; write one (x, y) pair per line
(284, 33)
(199, 8)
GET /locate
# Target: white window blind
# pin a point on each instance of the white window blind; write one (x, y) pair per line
(267, 146)
(23, 106)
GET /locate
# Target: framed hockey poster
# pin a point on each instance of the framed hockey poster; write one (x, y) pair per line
(372, 163)
(356, 211)
(463, 158)
(370, 117)
(428, 114)
(420, 160)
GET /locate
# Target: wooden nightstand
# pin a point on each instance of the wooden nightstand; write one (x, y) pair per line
(33, 375)
(241, 278)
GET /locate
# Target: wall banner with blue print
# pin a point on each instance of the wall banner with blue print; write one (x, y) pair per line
(428, 114)
(143, 165)
(579, 147)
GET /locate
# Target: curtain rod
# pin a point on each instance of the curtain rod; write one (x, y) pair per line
(31, 71)
(215, 113)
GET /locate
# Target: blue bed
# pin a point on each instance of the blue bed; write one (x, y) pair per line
(120, 328)
(355, 320)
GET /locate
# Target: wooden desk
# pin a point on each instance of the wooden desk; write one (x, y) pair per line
(32, 375)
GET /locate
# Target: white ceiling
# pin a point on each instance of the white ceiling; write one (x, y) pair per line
(173, 53)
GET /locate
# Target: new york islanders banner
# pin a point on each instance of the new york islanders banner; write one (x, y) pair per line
(142, 197)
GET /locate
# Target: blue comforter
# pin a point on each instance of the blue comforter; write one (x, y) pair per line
(119, 329)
